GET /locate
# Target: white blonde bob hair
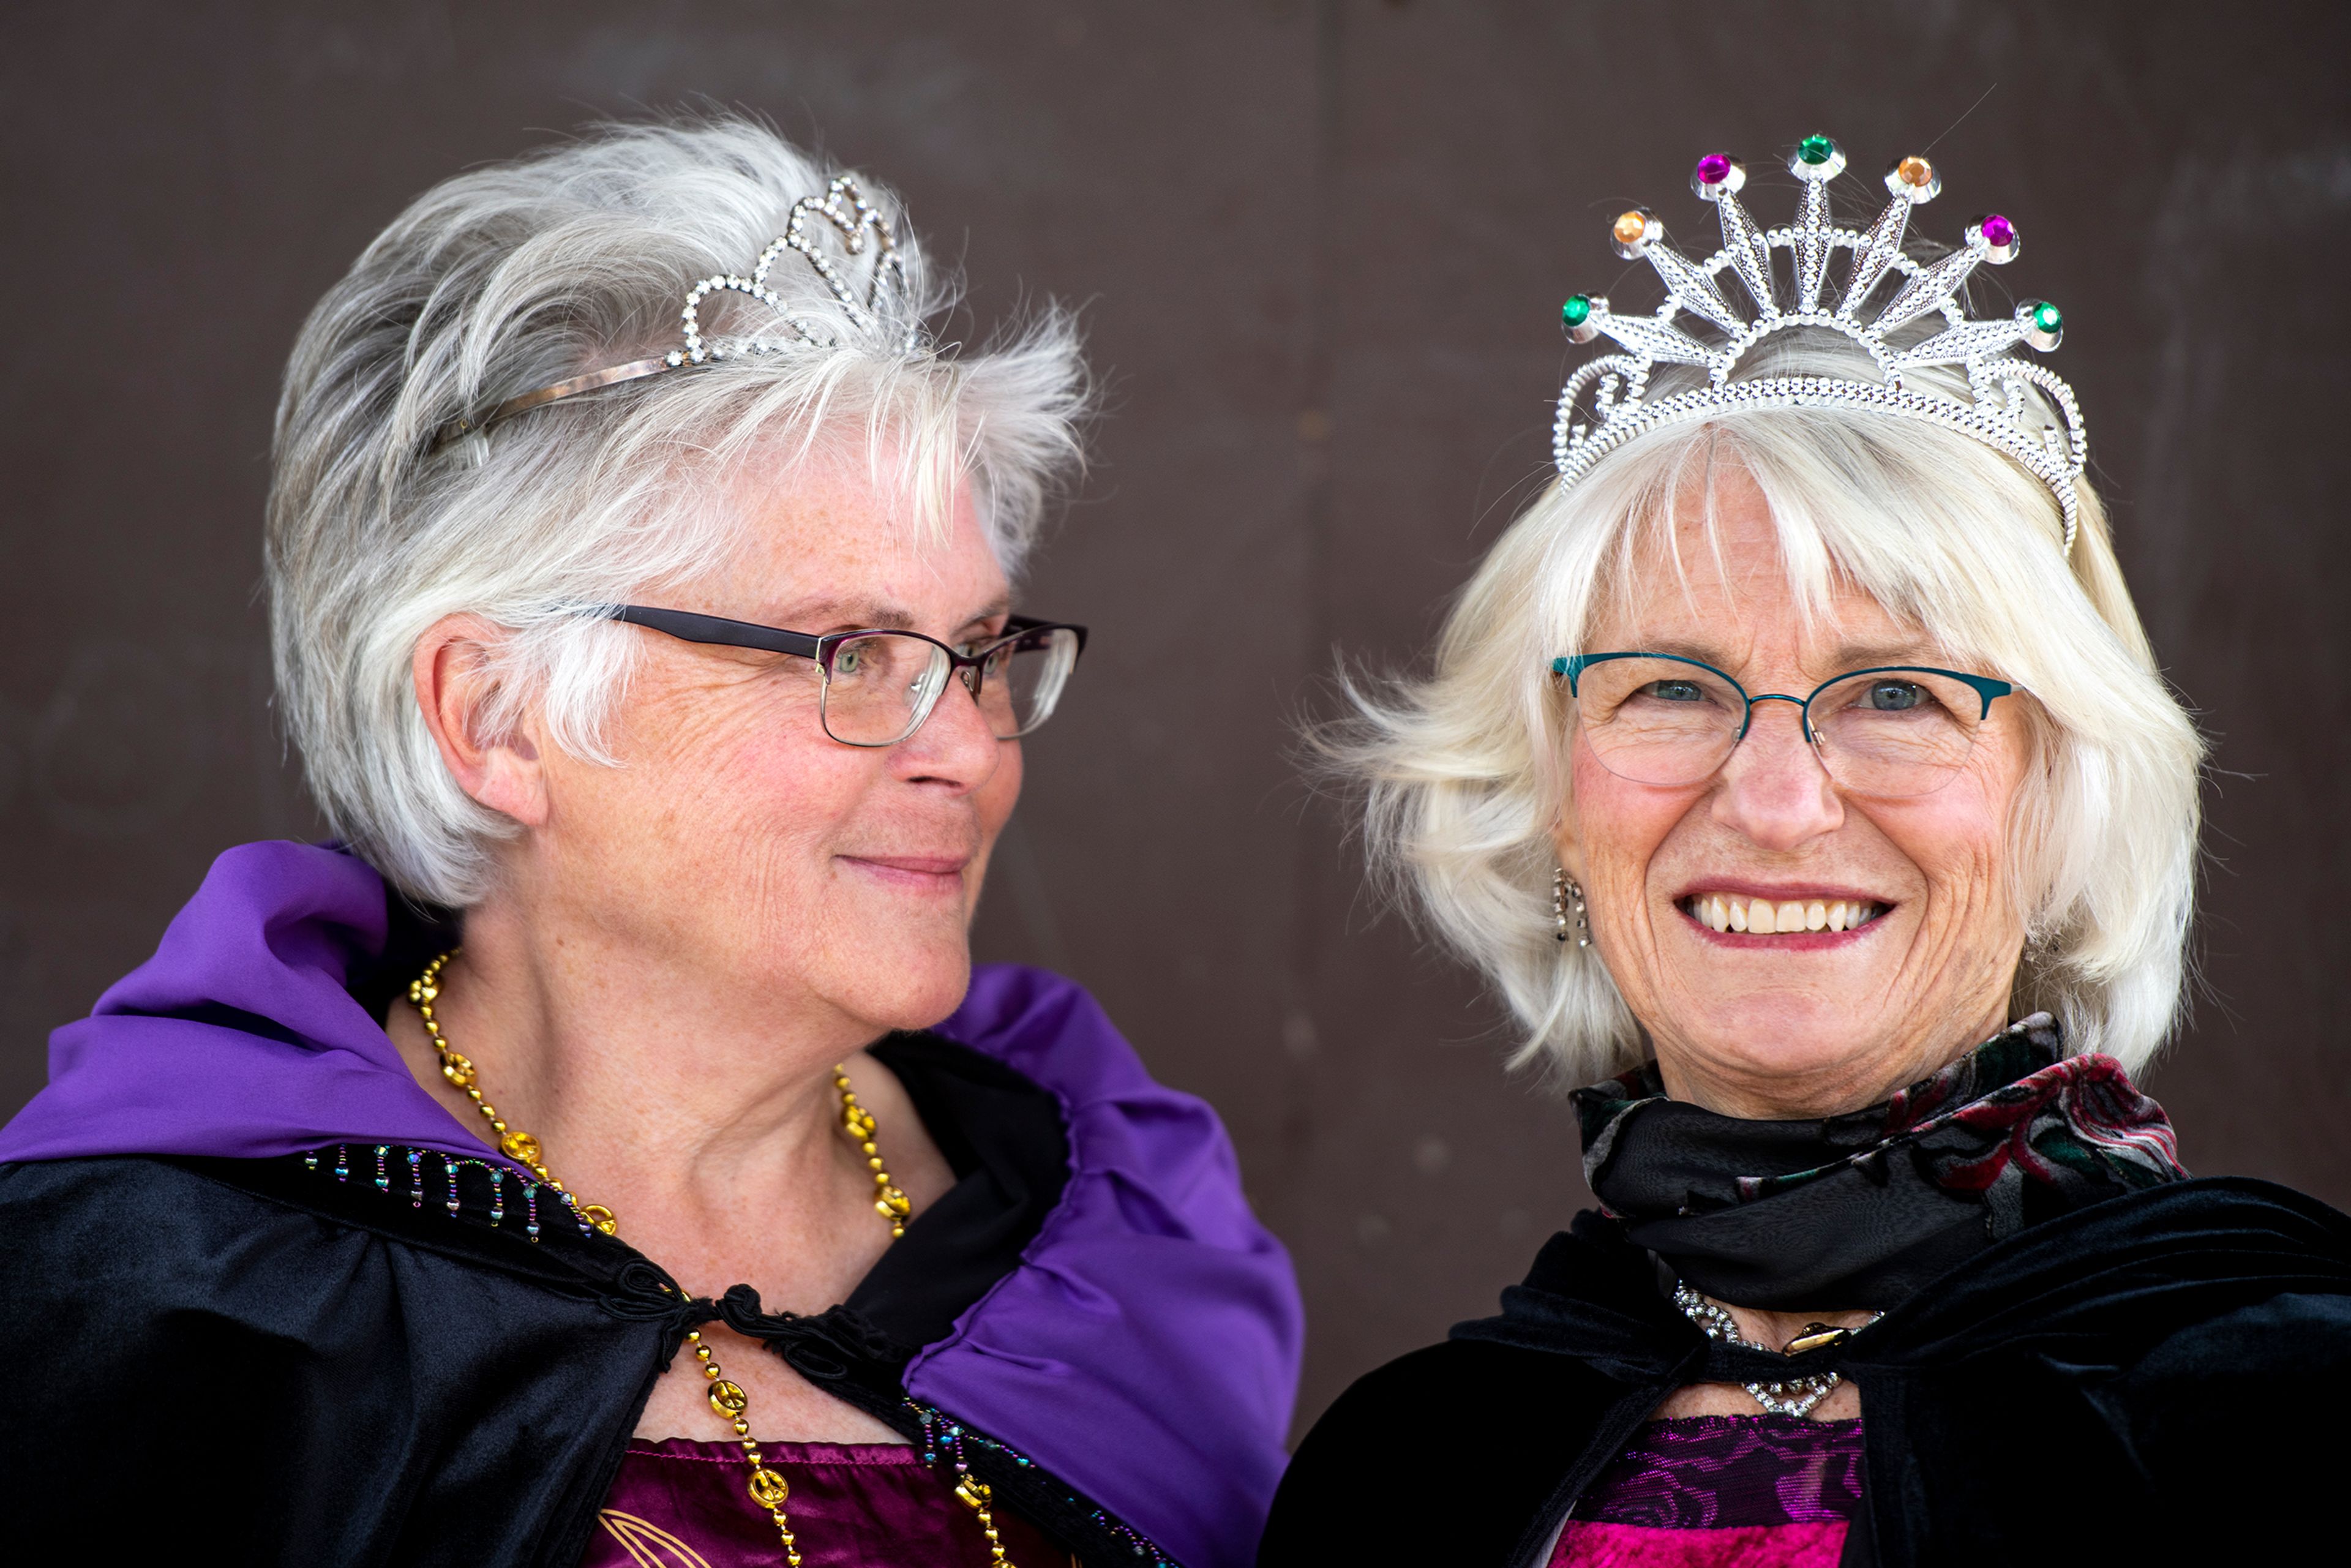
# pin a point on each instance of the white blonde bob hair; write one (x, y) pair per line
(520, 274)
(1465, 770)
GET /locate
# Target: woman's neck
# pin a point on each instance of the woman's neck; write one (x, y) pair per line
(706, 1118)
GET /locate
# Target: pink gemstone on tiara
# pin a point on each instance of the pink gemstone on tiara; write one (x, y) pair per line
(1997, 232)
(1714, 168)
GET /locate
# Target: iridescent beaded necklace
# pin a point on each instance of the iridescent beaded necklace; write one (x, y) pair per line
(767, 1489)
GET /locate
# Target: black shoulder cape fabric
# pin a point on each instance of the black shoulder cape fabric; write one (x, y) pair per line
(424, 1387)
(2158, 1377)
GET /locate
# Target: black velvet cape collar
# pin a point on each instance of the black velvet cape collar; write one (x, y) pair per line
(2162, 1372)
(214, 1303)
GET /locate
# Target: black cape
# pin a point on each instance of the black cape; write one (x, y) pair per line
(413, 1389)
(2159, 1377)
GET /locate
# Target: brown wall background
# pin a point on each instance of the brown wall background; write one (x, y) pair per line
(1322, 243)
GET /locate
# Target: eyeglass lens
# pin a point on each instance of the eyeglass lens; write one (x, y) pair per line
(1886, 732)
(880, 686)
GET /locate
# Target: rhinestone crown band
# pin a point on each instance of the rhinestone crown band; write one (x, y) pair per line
(857, 226)
(1604, 404)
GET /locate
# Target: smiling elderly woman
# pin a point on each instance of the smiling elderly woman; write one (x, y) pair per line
(1799, 758)
(612, 1151)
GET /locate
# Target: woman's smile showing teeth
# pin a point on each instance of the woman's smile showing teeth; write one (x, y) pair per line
(1754, 915)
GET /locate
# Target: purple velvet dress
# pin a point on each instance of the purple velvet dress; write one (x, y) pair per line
(682, 1504)
(1707, 1491)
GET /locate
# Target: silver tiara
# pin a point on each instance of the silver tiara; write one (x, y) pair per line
(1604, 404)
(859, 228)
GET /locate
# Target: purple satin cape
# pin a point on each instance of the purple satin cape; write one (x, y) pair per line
(1146, 1348)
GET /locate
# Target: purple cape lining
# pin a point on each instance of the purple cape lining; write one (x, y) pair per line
(1146, 1349)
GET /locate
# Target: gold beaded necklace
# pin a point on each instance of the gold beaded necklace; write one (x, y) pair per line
(513, 1142)
(767, 1489)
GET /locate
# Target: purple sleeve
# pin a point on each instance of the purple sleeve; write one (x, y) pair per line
(1147, 1349)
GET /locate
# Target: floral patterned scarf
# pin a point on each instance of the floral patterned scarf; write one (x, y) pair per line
(1860, 1209)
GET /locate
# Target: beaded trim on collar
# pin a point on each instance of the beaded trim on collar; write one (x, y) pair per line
(412, 1160)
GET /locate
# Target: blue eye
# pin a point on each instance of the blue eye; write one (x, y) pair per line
(1895, 696)
(1674, 691)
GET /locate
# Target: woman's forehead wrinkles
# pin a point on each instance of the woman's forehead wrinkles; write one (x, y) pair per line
(871, 614)
(833, 611)
(1733, 644)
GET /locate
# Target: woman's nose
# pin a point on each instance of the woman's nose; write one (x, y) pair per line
(956, 742)
(1774, 789)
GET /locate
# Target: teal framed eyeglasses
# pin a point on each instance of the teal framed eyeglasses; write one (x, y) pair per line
(1890, 730)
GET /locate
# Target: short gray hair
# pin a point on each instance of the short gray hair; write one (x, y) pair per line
(1464, 770)
(520, 274)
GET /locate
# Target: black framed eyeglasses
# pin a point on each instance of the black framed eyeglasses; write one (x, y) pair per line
(879, 687)
(1891, 730)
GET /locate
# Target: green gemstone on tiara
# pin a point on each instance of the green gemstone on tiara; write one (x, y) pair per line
(1815, 150)
(2047, 318)
(1577, 310)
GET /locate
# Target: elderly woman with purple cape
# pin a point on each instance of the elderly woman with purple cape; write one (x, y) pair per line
(607, 1152)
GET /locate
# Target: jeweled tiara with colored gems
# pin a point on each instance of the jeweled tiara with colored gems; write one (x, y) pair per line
(2001, 413)
(861, 226)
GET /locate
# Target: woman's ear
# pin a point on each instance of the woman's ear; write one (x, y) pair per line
(458, 690)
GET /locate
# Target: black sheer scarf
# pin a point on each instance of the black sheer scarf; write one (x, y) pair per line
(1860, 1209)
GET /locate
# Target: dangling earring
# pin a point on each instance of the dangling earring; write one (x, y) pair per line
(1563, 892)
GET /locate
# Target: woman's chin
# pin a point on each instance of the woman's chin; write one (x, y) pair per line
(1776, 1039)
(907, 988)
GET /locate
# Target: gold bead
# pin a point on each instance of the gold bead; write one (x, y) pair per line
(768, 1490)
(521, 1146)
(729, 1399)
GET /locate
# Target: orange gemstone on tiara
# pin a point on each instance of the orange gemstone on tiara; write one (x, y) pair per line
(1631, 228)
(1914, 171)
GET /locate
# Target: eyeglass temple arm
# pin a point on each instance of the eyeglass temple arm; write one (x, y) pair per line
(1017, 625)
(716, 629)
(1985, 687)
(1574, 665)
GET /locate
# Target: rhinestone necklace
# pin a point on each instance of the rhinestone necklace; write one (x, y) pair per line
(767, 1489)
(1797, 1395)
